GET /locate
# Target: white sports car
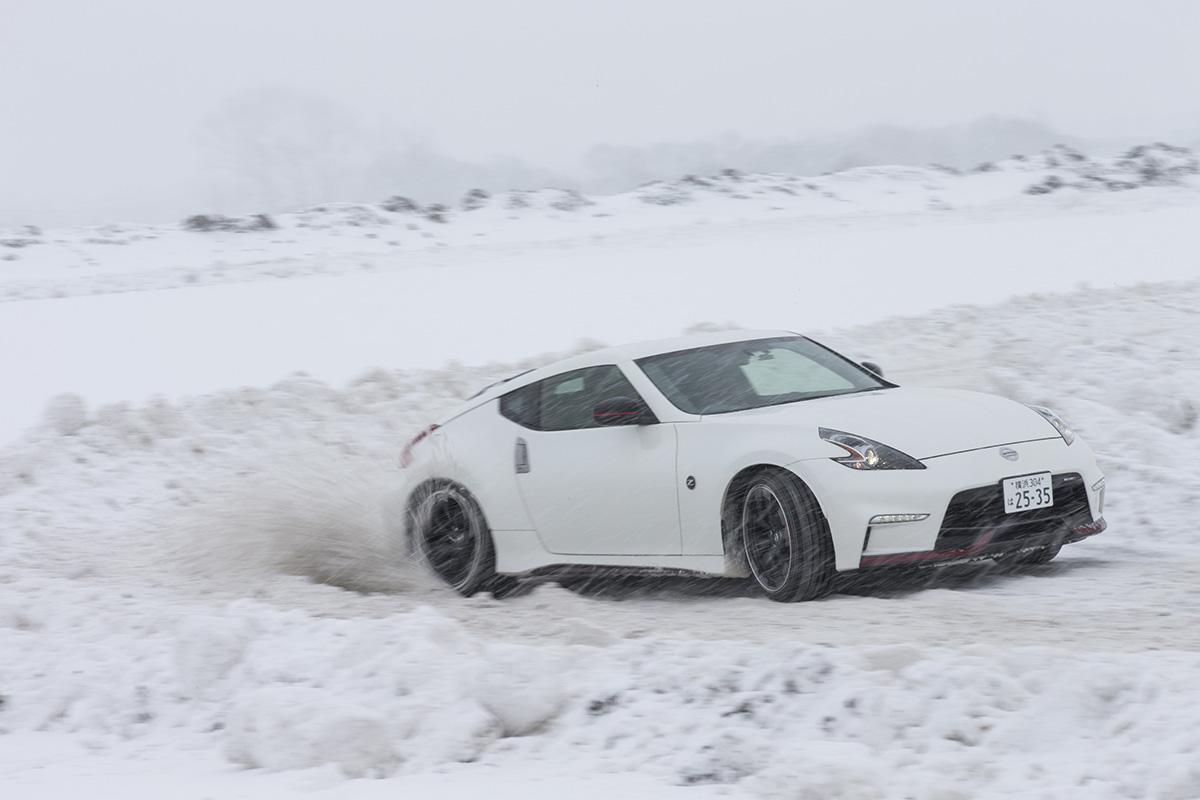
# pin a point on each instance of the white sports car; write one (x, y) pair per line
(756, 455)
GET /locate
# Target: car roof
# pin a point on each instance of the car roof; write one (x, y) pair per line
(618, 354)
(635, 350)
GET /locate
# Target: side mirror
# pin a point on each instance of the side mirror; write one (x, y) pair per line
(622, 411)
(873, 367)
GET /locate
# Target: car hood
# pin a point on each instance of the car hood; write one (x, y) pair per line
(921, 422)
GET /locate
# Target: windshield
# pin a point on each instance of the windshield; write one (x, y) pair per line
(762, 372)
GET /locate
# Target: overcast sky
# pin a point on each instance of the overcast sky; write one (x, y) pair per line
(104, 105)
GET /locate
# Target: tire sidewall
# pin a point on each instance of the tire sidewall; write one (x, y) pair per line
(811, 566)
(482, 568)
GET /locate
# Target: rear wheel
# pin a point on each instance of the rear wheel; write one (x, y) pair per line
(453, 538)
(785, 539)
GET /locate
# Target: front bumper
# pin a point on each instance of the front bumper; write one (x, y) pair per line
(961, 494)
(990, 543)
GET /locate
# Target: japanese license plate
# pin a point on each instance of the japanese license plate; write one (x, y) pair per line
(1028, 492)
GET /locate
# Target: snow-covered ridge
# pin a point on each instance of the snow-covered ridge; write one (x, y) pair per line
(344, 237)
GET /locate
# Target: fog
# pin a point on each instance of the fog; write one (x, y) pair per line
(134, 109)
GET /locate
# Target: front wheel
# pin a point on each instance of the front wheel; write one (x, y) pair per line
(452, 537)
(785, 539)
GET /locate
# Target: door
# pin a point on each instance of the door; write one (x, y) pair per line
(592, 489)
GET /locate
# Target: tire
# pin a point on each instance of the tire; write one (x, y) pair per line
(1043, 555)
(452, 537)
(785, 538)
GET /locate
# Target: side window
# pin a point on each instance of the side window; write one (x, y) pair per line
(565, 402)
(521, 406)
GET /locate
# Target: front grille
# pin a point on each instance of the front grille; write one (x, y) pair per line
(976, 516)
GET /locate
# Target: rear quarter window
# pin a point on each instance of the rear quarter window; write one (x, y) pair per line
(522, 406)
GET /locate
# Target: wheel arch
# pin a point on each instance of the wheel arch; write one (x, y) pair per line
(735, 490)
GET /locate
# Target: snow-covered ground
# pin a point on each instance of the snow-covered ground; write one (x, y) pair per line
(202, 596)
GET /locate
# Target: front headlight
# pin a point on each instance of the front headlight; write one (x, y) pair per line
(866, 453)
(1064, 430)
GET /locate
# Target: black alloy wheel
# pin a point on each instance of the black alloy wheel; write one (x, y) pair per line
(455, 542)
(785, 538)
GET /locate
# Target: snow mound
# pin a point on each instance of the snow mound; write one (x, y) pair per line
(1063, 167)
(711, 712)
(377, 697)
(290, 727)
(176, 574)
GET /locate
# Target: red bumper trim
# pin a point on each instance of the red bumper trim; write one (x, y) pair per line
(982, 548)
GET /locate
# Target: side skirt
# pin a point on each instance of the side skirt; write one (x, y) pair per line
(520, 553)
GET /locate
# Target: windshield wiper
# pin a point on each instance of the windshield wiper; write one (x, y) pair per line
(850, 391)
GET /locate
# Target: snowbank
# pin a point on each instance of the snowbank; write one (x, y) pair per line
(281, 690)
(176, 574)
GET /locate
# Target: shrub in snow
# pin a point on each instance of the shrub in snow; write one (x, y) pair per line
(1146, 165)
(399, 204)
(518, 200)
(1187, 417)
(661, 193)
(66, 414)
(259, 222)
(1061, 154)
(474, 199)
(203, 223)
(206, 223)
(1159, 164)
(556, 199)
(436, 212)
(569, 200)
(726, 757)
(1050, 184)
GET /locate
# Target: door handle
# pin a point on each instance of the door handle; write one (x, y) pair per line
(521, 457)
